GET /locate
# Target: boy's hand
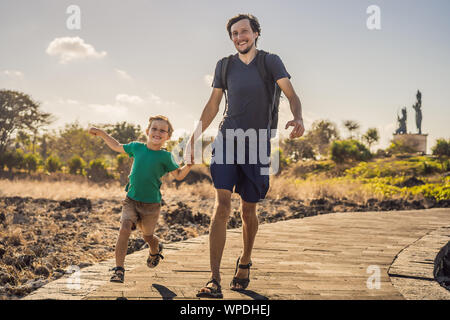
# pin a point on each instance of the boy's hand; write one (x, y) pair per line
(95, 131)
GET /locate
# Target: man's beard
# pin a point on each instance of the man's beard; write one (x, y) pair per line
(245, 51)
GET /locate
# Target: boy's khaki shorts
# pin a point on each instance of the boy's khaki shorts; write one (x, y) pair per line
(134, 211)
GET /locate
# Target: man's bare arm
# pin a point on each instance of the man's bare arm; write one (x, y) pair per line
(296, 108)
(211, 109)
(110, 141)
(208, 114)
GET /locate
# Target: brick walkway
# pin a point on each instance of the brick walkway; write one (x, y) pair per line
(321, 257)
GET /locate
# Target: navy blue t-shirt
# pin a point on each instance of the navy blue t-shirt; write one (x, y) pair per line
(248, 104)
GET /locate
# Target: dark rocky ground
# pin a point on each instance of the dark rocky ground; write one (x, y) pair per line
(41, 238)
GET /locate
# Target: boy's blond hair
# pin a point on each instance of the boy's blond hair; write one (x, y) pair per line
(163, 118)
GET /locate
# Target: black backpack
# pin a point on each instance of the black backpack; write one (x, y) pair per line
(274, 91)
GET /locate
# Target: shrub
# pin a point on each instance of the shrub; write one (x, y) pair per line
(53, 164)
(98, 171)
(441, 148)
(12, 159)
(76, 165)
(345, 150)
(398, 147)
(30, 162)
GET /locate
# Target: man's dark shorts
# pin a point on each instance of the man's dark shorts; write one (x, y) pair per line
(245, 178)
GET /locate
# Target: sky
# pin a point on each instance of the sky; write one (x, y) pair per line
(129, 60)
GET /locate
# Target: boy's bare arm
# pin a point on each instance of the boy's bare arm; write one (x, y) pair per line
(110, 141)
(181, 173)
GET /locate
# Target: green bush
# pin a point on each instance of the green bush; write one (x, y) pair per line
(399, 147)
(12, 159)
(53, 164)
(98, 171)
(441, 148)
(76, 165)
(349, 150)
(30, 162)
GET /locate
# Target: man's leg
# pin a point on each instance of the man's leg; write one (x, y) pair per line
(249, 230)
(122, 242)
(217, 233)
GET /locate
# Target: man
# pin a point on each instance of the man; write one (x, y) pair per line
(248, 109)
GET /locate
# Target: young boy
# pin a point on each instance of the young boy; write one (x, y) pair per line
(142, 205)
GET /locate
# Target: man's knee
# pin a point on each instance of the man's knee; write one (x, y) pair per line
(223, 203)
(248, 211)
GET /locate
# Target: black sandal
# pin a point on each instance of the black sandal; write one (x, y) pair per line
(242, 281)
(213, 292)
(153, 259)
(119, 274)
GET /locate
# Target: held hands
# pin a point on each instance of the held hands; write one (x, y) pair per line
(298, 130)
(188, 156)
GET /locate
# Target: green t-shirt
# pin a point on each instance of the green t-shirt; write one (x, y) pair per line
(148, 168)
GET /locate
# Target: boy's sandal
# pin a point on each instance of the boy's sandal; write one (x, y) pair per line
(241, 281)
(153, 259)
(119, 274)
(213, 292)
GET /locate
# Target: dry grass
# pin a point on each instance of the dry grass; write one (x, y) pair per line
(318, 188)
(279, 187)
(59, 190)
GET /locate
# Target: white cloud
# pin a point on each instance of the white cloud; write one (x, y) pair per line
(123, 74)
(127, 99)
(72, 48)
(13, 74)
(208, 78)
(109, 110)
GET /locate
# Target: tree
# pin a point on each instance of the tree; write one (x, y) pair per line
(321, 134)
(371, 136)
(351, 126)
(75, 140)
(297, 149)
(441, 148)
(123, 132)
(19, 112)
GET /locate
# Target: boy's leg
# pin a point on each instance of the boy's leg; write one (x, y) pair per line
(217, 233)
(122, 242)
(127, 220)
(147, 224)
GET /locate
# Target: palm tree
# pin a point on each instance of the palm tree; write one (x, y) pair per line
(371, 136)
(351, 126)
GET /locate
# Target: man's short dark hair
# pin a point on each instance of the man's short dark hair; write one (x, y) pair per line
(254, 23)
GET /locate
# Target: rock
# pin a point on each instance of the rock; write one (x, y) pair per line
(23, 261)
(2, 217)
(70, 217)
(41, 271)
(82, 203)
(20, 218)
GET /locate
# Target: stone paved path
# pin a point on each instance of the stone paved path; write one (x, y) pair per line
(321, 257)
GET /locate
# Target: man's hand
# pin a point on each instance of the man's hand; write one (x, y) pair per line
(95, 131)
(188, 156)
(298, 130)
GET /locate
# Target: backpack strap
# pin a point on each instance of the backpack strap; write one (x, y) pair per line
(272, 88)
(223, 77)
